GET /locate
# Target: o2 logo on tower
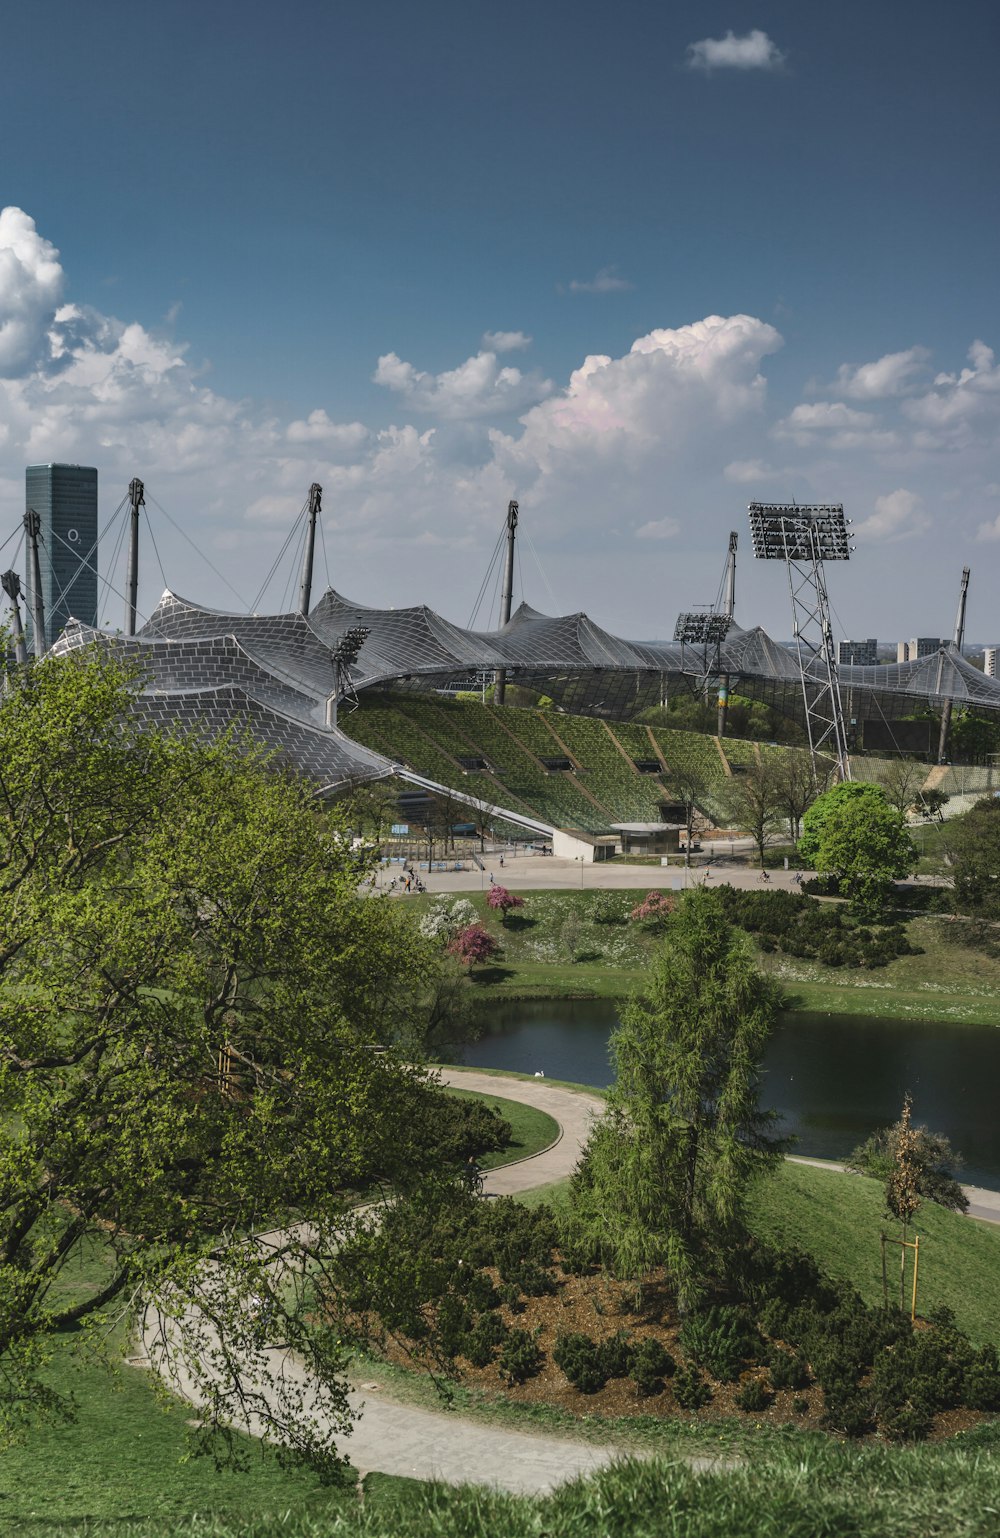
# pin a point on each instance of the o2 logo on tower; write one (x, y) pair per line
(73, 535)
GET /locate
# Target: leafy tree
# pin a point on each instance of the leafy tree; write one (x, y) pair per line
(934, 801)
(503, 902)
(930, 1152)
(755, 801)
(975, 855)
(202, 1024)
(852, 833)
(654, 910)
(902, 1186)
(800, 779)
(474, 945)
(902, 783)
(665, 1172)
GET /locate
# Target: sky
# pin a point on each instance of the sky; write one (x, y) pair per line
(634, 266)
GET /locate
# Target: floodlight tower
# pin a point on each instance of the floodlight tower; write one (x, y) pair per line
(805, 537)
(959, 637)
(728, 608)
(706, 628)
(506, 595)
(344, 657)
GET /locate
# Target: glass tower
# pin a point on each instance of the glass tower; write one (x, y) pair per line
(65, 499)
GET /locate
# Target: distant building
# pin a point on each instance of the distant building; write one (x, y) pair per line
(862, 654)
(65, 499)
(902, 651)
(924, 646)
(990, 661)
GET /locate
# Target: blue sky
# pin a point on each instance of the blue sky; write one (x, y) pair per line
(791, 210)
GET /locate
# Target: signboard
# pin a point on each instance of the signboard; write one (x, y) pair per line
(400, 827)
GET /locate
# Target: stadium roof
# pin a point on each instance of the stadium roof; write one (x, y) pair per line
(271, 675)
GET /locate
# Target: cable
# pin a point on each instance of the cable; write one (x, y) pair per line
(280, 556)
(485, 582)
(548, 585)
(156, 552)
(115, 590)
(105, 587)
(322, 540)
(195, 548)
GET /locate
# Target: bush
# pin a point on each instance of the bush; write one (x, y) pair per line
(616, 1355)
(580, 1359)
(754, 1395)
(847, 1410)
(690, 1389)
(480, 1292)
(520, 1357)
(609, 908)
(982, 1381)
(651, 1363)
(453, 1324)
(720, 1340)
(788, 1369)
(510, 1297)
(480, 1344)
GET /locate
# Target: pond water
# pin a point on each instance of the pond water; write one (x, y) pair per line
(832, 1078)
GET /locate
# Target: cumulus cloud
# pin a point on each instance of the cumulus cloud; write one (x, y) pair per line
(344, 437)
(505, 341)
(478, 387)
(898, 515)
(658, 528)
(960, 406)
(754, 50)
(893, 374)
(31, 282)
(606, 281)
(838, 426)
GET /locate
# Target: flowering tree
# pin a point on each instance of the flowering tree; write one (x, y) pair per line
(503, 902)
(653, 910)
(474, 945)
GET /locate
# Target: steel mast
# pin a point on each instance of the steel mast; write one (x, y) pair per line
(959, 638)
(137, 498)
(506, 595)
(728, 608)
(305, 585)
(11, 584)
(32, 525)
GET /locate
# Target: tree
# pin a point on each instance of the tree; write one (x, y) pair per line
(932, 1155)
(503, 902)
(202, 1024)
(755, 801)
(665, 1172)
(975, 859)
(653, 911)
(902, 782)
(934, 801)
(474, 945)
(902, 1186)
(800, 779)
(852, 833)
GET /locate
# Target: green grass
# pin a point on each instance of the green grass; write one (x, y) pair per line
(837, 1219)
(533, 1129)
(944, 982)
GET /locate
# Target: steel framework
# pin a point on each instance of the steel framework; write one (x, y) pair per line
(804, 538)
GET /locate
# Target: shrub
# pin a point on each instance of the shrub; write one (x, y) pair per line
(520, 1357)
(690, 1389)
(653, 911)
(480, 1293)
(510, 1296)
(720, 1340)
(616, 1355)
(800, 1406)
(580, 1359)
(530, 1278)
(788, 1369)
(608, 908)
(453, 1324)
(754, 1395)
(502, 901)
(847, 1410)
(982, 1381)
(480, 1344)
(651, 1363)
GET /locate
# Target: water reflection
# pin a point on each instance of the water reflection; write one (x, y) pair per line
(832, 1078)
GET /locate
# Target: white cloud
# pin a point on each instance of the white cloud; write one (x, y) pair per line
(478, 387)
(989, 531)
(754, 50)
(31, 282)
(336, 437)
(834, 424)
(898, 515)
(893, 374)
(606, 281)
(659, 528)
(961, 408)
(505, 341)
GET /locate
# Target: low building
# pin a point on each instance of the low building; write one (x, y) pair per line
(648, 837)
(574, 844)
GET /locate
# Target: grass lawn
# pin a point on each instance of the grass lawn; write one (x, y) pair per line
(540, 942)
(533, 1130)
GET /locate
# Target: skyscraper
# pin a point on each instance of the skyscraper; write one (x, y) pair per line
(65, 499)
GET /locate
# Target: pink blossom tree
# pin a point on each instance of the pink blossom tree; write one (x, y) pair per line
(503, 902)
(473, 945)
(653, 910)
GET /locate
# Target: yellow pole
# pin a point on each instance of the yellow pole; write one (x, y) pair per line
(916, 1263)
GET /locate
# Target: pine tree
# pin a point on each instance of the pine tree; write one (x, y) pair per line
(665, 1173)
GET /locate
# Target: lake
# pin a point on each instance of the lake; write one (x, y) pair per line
(832, 1078)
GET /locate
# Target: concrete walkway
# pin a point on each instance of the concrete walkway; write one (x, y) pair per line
(574, 1110)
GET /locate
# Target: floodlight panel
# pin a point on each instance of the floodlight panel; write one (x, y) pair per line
(703, 625)
(786, 531)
